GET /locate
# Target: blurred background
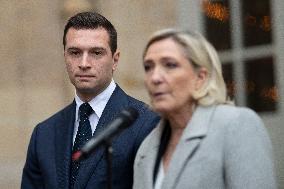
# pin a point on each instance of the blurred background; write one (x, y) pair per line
(249, 37)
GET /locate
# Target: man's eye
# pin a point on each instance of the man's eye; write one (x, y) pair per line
(96, 53)
(74, 53)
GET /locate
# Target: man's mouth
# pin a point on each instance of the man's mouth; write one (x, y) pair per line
(84, 76)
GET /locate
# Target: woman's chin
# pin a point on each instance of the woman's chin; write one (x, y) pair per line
(162, 109)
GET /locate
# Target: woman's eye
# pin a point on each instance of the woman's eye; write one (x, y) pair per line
(146, 67)
(171, 65)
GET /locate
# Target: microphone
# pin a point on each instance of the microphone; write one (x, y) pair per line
(124, 119)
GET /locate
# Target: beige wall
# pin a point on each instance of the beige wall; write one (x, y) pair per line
(135, 21)
(33, 81)
(32, 77)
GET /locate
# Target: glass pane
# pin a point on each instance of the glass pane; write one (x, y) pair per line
(256, 22)
(217, 23)
(229, 80)
(261, 91)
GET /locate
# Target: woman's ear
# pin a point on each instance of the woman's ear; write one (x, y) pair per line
(202, 76)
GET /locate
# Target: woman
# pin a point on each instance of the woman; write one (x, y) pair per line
(202, 140)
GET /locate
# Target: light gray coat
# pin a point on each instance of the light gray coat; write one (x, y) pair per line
(221, 147)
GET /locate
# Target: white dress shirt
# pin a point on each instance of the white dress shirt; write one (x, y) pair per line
(98, 104)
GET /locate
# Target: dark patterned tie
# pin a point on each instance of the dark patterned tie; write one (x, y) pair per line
(84, 133)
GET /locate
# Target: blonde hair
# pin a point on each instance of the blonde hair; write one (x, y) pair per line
(201, 54)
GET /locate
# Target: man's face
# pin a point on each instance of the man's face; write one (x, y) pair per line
(89, 61)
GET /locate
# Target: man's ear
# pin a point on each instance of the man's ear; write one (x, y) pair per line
(115, 60)
(202, 76)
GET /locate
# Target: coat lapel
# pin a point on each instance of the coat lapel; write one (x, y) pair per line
(146, 161)
(146, 158)
(63, 145)
(116, 103)
(196, 129)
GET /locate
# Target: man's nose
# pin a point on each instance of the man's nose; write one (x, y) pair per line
(85, 61)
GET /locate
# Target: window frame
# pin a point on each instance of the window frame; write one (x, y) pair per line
(190, 17)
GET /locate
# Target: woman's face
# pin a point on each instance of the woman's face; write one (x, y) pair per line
(169, 77)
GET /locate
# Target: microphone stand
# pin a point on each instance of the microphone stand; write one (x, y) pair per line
(109, 152)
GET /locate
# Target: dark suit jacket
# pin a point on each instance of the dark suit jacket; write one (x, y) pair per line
(49, 152)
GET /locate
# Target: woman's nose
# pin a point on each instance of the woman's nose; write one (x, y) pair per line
(156, 76)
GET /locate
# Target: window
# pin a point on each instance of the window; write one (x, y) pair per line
(241, 31)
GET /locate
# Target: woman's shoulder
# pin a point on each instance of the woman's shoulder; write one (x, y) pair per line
(235, 112)
(243, 120)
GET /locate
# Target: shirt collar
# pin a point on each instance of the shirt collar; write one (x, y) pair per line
(99, 102)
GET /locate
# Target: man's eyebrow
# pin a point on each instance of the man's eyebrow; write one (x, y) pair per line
(73, 48)
(92, 48)
(98, 48)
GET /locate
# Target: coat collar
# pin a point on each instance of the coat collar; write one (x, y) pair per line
(196, 129)
(198, 126)
(146, 157)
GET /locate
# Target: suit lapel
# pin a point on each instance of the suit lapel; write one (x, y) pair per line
(116, 103)
(196, 129)
(63, 145)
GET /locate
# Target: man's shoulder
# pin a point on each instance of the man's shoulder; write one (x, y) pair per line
(142, 107)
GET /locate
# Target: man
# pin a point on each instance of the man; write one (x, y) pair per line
(91, 57)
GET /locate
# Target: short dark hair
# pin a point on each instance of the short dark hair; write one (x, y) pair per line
(92, 20)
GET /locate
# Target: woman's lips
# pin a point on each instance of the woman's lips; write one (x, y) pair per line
(157, 94)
